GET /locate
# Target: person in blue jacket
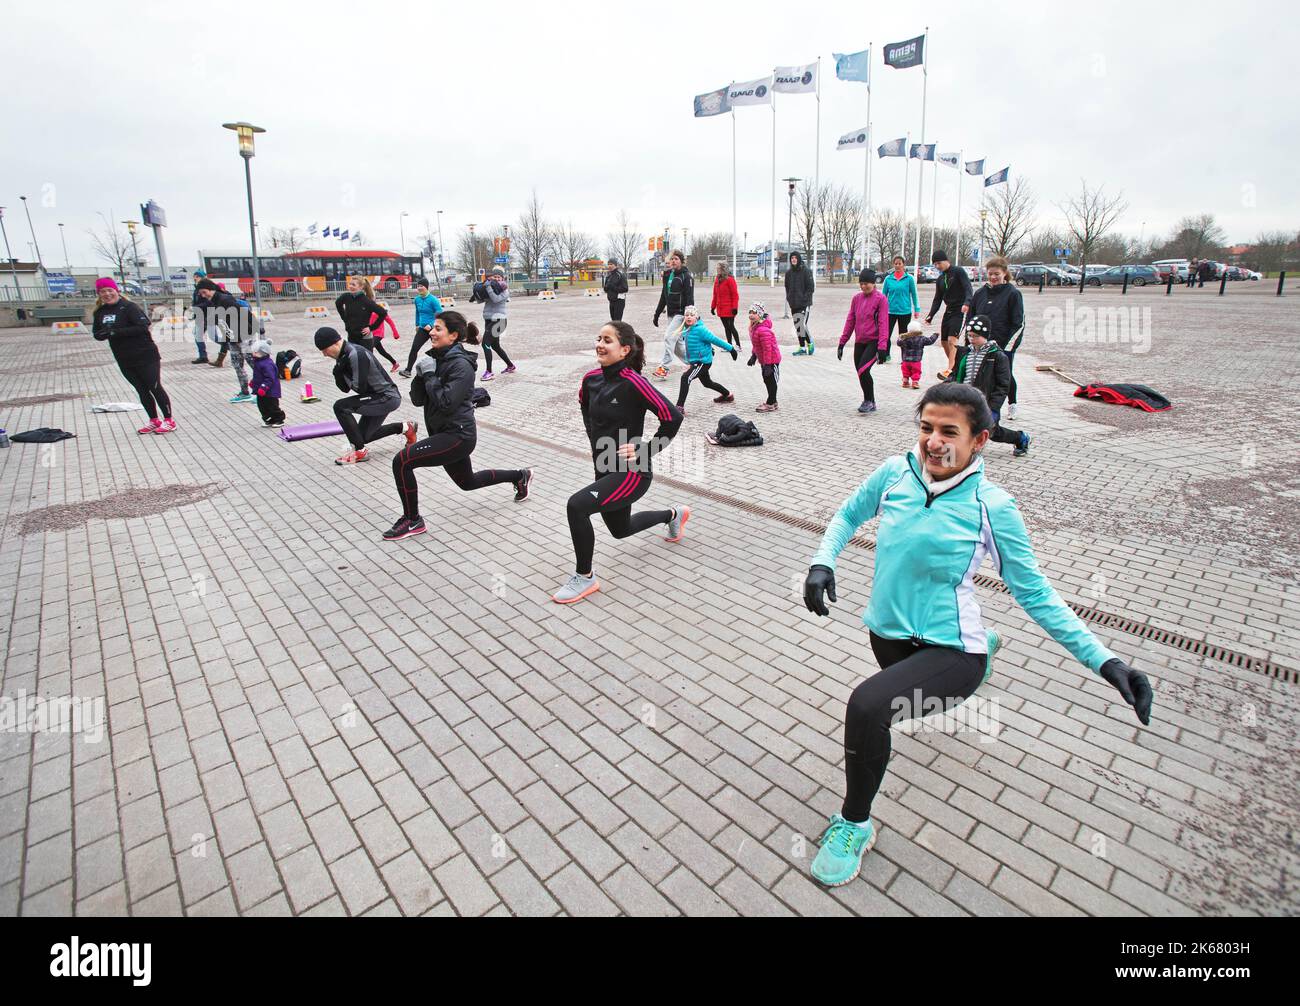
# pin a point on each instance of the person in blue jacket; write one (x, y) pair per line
(939, 519)
(900, 290)
(427, 309)
(699, 357)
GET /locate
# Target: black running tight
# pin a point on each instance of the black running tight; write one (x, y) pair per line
(612, 497)
(143, 371)
(700, 372)
(450, 451)
(864, 358)
(912, 682)
(494, 328)
(729, 329)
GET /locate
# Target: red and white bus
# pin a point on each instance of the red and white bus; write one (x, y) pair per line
(312, 270)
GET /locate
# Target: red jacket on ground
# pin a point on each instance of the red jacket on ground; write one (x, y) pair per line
(726, 298)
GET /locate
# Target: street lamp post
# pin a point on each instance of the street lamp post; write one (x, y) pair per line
(473, 248)
(135, 254)
(789, 231)
(441, 264)
(63, 239)
(246, 132)
(18, 287)
(401, 229)
(36, 244)
(984, 215)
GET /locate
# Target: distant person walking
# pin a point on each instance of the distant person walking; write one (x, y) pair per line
(726, 301)
(677, 294)
(1001, 301)
(614, 283)
(799, 287)
(197, 308)
(125, 327)
(952, 291)
(496, 300)
(427, 309)
(900, 291)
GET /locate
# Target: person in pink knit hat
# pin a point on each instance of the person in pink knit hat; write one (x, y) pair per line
(868, 323)
(125, 327)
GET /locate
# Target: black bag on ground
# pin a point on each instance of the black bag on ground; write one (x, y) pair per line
(479, 398)
(287, 358)
(736, 432)
(42, 435)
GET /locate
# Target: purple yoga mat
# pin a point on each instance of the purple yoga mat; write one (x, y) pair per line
(330, 429)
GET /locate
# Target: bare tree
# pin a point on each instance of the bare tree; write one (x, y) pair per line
(1273, 251)
(533, 236)
(626, 243)
(112, 244)
(703, 246)
(573, 247)
(1195, 237)
(809, 206)
(1011, 208)
(287, 239)
(1089, 216)
(840, 225)
(885, 234)
(472, 253)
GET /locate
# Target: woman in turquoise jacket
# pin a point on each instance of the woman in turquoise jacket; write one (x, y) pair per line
(427, 309)
(900, 291)
(939, 519)
(699, 357)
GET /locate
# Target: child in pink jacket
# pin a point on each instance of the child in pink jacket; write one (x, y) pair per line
(868, 322)
(764, 350)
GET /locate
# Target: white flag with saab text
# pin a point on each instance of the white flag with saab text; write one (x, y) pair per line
(795, 79)
(751, 92)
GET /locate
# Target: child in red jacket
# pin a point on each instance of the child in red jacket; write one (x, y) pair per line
(765, 350)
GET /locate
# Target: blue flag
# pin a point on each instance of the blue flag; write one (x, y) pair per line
(922, 151)
(853, 66)
(712, 103)
(975, 167)
(326, 232)
(998, 178)
(336, 232)
(345, 235)
(894, 148)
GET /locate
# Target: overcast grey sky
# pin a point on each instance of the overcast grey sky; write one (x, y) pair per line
(1187, 107)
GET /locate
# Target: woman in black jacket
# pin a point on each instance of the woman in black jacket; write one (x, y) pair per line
(356, 308)
(443, 383)
(125, 327)
(615, 399)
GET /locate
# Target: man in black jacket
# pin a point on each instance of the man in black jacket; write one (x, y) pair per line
(197, 305)
(676, 295)
(357, 370)
(983, 365)
(615, 286)
(953, 290)
(799, 286)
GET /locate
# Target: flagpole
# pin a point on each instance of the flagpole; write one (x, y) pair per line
(961, 184)
(934, 204)
(907, 170)
(733, 192)
(772, 269)
(817, 163)
(920, 167)
(866, 175)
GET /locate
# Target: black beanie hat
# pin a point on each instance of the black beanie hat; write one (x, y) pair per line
(326, 337)
(867, 276)
(206, 284)
(939, 256)
(981, 324)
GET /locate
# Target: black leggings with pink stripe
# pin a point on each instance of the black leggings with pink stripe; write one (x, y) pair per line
(451, 451)
(612, 497)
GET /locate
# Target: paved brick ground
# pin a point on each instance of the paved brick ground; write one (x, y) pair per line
(303, 719)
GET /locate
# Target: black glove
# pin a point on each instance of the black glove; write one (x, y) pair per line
(712, 311)
(1132, 685)
(735, 355)
(752, 360)
(656, 321)
(839, 353)
(820, 579)
(882, 355)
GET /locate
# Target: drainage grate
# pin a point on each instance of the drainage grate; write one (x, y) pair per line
(1142, 630)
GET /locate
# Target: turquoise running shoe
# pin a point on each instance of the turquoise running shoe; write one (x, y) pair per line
(812, 348)
(843, 845)
(994, 641)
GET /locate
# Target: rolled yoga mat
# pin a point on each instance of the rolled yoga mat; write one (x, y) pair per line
(311, 430)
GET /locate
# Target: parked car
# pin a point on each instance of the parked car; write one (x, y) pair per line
(1138, 275)
(928, 274)
(1240, 272)
(1029, 274)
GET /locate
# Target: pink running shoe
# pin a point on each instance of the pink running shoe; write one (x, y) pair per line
(153, 426)
(167, 426)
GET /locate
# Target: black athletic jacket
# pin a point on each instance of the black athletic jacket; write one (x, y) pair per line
(993, 378)
(125, 326)
(356, 309)
(614, 283)
(952, 289)
(1006, 310)
(680, 296)
(445, 392)
(358, 371)
(614, 403)
(799, 284)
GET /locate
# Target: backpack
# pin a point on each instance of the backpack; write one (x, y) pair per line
(289, 364)
(479, 397)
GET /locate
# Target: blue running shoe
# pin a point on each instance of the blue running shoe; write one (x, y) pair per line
(843, 845)
(994, 642)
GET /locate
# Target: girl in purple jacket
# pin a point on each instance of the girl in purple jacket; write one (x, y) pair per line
(868, 323)
(266, 385)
